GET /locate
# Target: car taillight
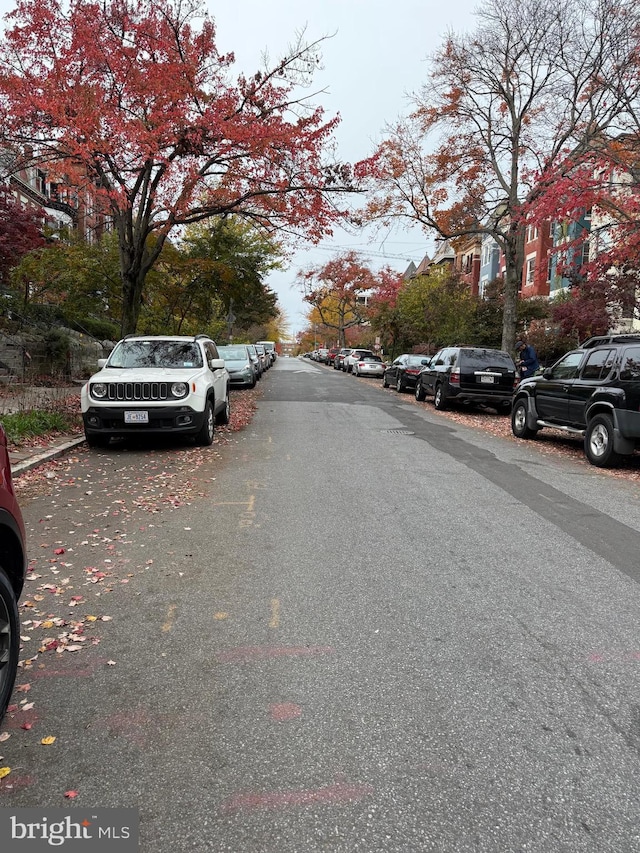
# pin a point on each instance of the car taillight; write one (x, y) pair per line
(413, 371)
(454, 378)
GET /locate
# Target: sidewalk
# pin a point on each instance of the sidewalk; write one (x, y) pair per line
(25, 458)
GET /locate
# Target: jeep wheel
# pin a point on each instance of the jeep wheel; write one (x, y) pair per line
(97, 440)
(9, 640)
(225, 415)
(519, 421)
(598, 442)
(420, 392)
(205, 437)
(438, 399)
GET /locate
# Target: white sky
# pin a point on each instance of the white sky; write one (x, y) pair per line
(375, 59)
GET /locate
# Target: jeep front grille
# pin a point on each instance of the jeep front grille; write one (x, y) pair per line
(138, 391)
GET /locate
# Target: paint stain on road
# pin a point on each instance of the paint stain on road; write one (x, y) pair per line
(337, 794)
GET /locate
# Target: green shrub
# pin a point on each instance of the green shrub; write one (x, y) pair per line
(30, 424)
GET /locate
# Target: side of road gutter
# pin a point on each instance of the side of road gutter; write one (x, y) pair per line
(25, 459)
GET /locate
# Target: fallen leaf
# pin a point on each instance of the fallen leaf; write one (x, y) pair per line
(71, 795)
(4, 771)
(26, 726)
(59, 551)
(47, 741)
(4, 736)
(111, 663)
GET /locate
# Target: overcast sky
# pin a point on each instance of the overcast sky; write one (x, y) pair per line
(376, 56)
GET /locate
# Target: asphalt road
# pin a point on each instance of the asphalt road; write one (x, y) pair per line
(354, 626)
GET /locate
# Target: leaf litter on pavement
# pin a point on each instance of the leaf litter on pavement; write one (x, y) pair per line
(65, 605)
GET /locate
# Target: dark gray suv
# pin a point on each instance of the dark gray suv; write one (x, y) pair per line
(468, 375)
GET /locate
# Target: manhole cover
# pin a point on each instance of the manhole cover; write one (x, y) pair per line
(399, 431)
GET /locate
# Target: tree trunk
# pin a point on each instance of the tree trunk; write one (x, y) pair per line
(514, 263)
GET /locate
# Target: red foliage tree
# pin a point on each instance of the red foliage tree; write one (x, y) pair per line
(135, 97)
(20, 232)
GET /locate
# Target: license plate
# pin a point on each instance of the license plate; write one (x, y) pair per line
(136, 417)
(488, 379)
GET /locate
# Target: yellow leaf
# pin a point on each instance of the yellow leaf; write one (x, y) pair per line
(47, 741)
(4, 771)
(47, 623)
(92, 618)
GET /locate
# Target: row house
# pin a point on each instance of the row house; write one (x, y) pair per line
(67, 204)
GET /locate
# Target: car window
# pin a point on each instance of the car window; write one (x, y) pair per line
(486, 359)
(631, 364)
(438, 357)
(567, 367)
(415, 360)
(598, 364)
(150, 353)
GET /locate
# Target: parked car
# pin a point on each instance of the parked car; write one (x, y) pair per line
(333, 352)
(592, 392)
(403, 371)
(162, 384)
(265, 361)
(348, 360)
(468, 375)
(13, 567)
(242, 371)
(340, 356)
(369, 365)
(255, 360)
(270, 349)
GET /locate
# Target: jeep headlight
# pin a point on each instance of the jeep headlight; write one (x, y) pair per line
(179, 389)
(99, 390)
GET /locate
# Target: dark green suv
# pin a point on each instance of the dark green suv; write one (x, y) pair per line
(593, 392)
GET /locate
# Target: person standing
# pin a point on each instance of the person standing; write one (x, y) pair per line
(527, 362)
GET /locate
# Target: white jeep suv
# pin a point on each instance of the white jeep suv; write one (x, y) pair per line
(163, 384)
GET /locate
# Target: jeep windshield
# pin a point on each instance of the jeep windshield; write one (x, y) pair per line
(155, 354)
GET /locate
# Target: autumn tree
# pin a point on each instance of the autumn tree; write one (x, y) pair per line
(134, 99)
(336, 290)
(20, 232)
(536, 86)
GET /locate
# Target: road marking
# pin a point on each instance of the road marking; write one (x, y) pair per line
(274, 622)
(282, 712)
(340, 793)
(168, 625)
(247, 517)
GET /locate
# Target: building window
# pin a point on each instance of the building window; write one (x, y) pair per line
(531, 269)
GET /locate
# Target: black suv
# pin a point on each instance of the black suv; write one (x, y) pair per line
(468, 375)
(593, 391)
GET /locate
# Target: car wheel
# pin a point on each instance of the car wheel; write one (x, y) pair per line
(9, 640)
(519, 421)
(399, 385)
(205, 437)
(420, 392)
(385, 384)
(438, 399)
(225, 415)
(97, 440)
(598, 442)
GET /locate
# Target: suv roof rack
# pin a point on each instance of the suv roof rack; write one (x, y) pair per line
(597, 340)
(200, 336)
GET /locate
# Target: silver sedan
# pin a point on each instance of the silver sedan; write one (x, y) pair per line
(369, 365)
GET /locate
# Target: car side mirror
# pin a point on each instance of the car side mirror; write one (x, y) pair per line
(425, 361)
(547, 373)
(216, 364)
(101, 363)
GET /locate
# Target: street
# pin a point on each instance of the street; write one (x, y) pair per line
(353, 626)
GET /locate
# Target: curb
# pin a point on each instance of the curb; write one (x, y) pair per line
(19, 468)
